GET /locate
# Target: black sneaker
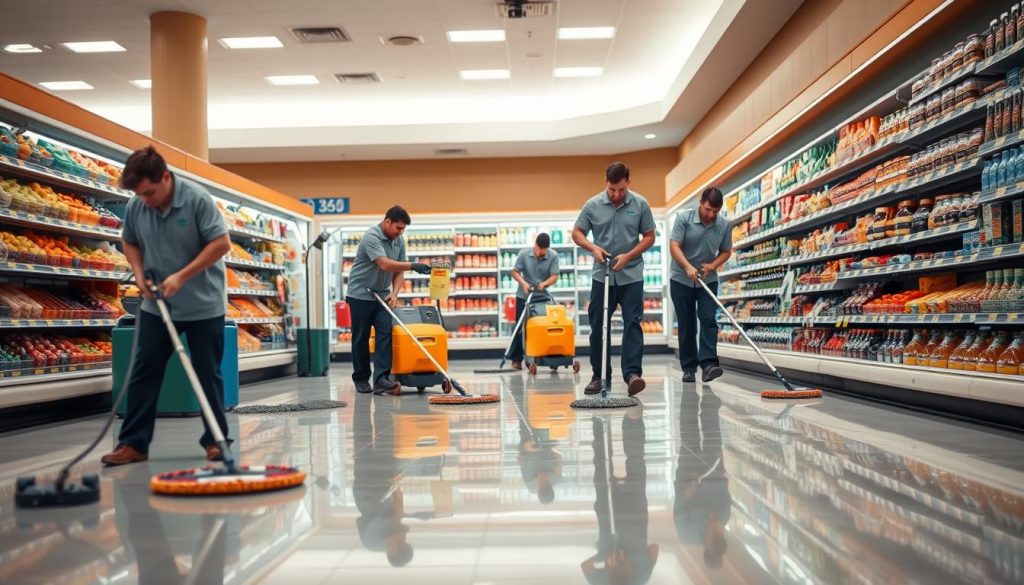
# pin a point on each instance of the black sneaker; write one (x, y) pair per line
(363, 387)
(594, 387)
(385, 385)
(711, 372)
(635, 385)
(689, 377)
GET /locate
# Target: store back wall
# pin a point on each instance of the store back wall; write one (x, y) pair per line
(464, 184)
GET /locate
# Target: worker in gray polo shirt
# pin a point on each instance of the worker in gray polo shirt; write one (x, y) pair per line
(536, 269)
(623, 229)
(173, 229)
(379, 264)
(701, 243)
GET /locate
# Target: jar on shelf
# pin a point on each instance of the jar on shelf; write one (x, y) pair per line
(948, 100)
(937, 217)
(933, 109)
(952, 213)
(969, 210)
(921, 215)
(904, 220)
(956, 59)
(990, 38)
(879, 221)
(974, 50)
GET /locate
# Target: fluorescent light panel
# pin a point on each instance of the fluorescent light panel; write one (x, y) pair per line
(143, 83)
(293, 80)
(251, 42)
(478, 74)
(95, 47)
(65, 85)
(587, 32)
(476, 36)
(650, 136)
(22, 48)
(579, 71)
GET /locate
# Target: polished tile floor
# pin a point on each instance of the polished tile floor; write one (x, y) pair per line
(702, 484)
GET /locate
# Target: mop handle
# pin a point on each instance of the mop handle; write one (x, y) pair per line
(760, 353)
(190, 373)
(519, 323)
(440, 370)
(605, 326)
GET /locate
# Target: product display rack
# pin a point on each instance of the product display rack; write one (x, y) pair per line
(792, 242)
(484, 306)
(55, 181)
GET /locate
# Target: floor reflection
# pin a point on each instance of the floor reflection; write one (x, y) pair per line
(701, 484)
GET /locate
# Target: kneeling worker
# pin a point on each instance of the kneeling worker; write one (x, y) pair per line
(701, 243)
(379, 264)
(535, 268)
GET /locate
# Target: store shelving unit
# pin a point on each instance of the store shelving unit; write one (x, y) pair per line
(943, 252)
(252, 224)
(572, 289)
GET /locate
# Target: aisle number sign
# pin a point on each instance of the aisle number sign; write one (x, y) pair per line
(327, 205)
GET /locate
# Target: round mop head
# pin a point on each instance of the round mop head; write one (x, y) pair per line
(791, 394)
(609, 402)
(210, 481)
(290, 407)
(460, 399)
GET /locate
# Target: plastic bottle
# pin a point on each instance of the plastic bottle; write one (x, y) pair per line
(989, 302)
(1000, 171)
(976, 350)
(985, 175)
(940, 355)
(956, 358)
(1009, 362)
(988, 358)
(1010, 165)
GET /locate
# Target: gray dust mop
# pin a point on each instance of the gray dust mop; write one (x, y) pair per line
(290, 407)
(604, 400)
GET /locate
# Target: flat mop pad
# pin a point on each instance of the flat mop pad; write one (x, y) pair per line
(463, 399)
(211, 481)
(290, 407)
(794, 394)
(605, 402)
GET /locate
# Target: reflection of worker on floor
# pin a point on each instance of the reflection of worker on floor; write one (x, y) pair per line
(703, 503)
(375, 487)
(623, 555)
(540, 463)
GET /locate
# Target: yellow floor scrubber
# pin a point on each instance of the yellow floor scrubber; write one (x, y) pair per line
(549, 337)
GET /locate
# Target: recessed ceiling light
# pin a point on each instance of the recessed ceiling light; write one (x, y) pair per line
(65, 85)
(143, 83)
(476, 36)
(485, 74)
(95, 47)
(22, 48)
(587, 32)
(579, 71)
(251, 42)
(293, 80)
(650, 136)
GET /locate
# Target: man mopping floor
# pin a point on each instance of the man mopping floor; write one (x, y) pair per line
(701, 243)
(536, 269)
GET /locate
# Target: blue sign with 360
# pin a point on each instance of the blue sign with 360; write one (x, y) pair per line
(327, 205)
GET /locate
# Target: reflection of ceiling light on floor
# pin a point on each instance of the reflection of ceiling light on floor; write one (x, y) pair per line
(650, 136)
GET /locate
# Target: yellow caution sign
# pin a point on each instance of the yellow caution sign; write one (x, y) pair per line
(440, 281)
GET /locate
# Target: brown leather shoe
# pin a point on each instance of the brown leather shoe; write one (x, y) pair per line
(517, 366)
(213, 453)
(385, 385)
(594, 387)
(123, 455)
(635, 385)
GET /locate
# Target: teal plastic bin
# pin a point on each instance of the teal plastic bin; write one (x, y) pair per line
(320, 350)
(176, 396)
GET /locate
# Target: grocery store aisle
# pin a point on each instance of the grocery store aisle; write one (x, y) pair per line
(711, 485)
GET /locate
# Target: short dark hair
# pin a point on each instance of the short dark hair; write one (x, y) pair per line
(616, 172)
(543, 241)
(398, 214)
(713, 196)
(143, 164)
(402, 556)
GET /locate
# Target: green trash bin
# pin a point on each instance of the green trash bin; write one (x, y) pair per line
(176, 396)
(320, 350)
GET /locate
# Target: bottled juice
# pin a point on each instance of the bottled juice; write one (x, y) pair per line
(988, 358)
(940, 355)
(979, 347)
(956, 359)
(915, 346)
(1009, 361)
(924, 357)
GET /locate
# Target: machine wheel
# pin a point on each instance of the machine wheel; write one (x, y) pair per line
(446, 386)
(575, 367)
(91, 481)
(533, 369)
(421, 388)
(24, 483)
(554, 368)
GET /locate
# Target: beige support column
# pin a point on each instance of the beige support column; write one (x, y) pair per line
(177, 57)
